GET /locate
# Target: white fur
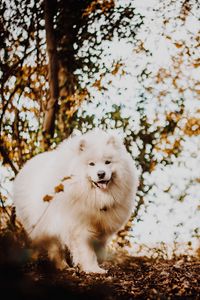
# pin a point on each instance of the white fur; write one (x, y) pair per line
(84, 216)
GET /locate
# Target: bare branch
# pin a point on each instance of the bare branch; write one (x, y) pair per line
(6, 158)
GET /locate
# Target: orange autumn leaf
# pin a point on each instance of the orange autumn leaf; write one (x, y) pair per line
(47, 198)
(59, 188)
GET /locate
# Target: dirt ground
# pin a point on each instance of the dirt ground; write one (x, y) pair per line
(127, 278)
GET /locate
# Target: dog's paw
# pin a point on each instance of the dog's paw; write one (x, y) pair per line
(61, 265)
(96, 270)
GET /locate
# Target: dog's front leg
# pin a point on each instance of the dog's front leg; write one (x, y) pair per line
(83, 254)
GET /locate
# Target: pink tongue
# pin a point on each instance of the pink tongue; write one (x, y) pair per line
(102, 185)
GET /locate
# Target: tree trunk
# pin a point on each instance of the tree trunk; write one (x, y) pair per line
(52, 104)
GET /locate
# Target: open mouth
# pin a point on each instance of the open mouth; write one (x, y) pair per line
(101, 184)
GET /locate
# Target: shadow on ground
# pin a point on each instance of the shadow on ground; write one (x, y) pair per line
(127, 278)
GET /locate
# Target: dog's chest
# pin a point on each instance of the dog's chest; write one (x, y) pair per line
(105, 221)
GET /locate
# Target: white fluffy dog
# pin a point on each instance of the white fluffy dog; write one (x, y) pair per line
(77, 196)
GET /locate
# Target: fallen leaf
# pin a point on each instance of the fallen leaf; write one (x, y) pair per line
(59, 188)
(47, 198)
(66, 178)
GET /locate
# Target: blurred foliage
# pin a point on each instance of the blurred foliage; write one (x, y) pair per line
(81, 30)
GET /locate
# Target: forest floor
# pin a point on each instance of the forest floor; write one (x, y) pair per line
(127, 278)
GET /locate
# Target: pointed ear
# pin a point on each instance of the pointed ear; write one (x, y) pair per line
(114, 141)
(111, 140)
(82, 145)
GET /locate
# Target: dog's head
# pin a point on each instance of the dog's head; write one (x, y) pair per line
(100, 153)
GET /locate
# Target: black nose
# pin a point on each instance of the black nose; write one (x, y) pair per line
(101, 174)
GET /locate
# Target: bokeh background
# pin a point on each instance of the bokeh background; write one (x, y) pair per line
(132, 66)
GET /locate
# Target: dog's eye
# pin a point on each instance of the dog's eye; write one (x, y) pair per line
(107, 162)
(91, 163)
